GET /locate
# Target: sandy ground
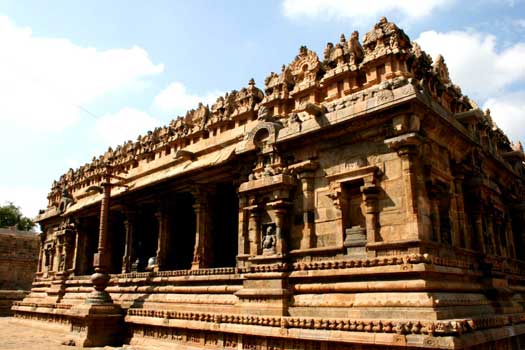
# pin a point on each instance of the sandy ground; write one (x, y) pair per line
(15, 336)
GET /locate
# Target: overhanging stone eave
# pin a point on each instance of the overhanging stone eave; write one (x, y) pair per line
(449, 118)
(152, 178)
(342, 116)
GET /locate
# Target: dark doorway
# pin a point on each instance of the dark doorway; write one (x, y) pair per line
(352, 205)
(181, 237)
(88, 244)
(116, 240)
(145, 242)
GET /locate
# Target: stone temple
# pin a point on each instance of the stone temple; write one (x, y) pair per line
(360, 201)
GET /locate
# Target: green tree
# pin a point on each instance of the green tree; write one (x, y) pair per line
(11, 215)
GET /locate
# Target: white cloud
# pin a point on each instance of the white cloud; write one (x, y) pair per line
(520, 23)
(360, 11)
(474, 62)
(43, 80)
(126, 124)
(177, 100)
(29, 198)
(508, 111)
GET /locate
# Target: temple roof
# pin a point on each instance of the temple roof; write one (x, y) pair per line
(384, 44)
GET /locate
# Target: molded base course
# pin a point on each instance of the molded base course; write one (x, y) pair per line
(184, 334)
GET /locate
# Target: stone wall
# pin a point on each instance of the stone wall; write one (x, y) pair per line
(18, 262)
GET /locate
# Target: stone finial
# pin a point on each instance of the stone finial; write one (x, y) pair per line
(305, 66)
(355, 49)
(328, 51)
(441, 69)
(303, 50)
(517, 146)
(384, 38)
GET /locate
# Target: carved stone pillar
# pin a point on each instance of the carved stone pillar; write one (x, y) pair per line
(280, 211)
(129, 226)
(82, 261)
(69, 250)
(75, 251)
(162, 241)
(254, 229)
(57, 257)
(243, 235)
(201, 251)
(371, 194)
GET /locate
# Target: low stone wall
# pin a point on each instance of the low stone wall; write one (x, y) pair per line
(7, 298)
(18, 263)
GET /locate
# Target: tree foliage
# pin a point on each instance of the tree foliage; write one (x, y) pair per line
(11, 215)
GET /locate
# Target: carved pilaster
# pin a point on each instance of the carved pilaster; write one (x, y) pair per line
(462, 238)
(407, 147)
(478, 228)
(434, 195)
(306, 174)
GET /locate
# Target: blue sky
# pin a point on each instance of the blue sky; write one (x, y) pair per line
(79, 76)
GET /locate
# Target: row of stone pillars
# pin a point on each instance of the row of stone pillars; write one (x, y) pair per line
(201, 249)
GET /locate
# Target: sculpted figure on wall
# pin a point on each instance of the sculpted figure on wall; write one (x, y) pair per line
(269, 241)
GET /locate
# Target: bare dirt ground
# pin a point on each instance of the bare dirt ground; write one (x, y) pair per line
(15, 336)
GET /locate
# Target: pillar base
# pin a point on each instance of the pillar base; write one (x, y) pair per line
(96, 325)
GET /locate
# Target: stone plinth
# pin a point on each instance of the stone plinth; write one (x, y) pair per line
(96, 325)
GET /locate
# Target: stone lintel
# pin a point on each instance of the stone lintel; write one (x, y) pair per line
(268, 182)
